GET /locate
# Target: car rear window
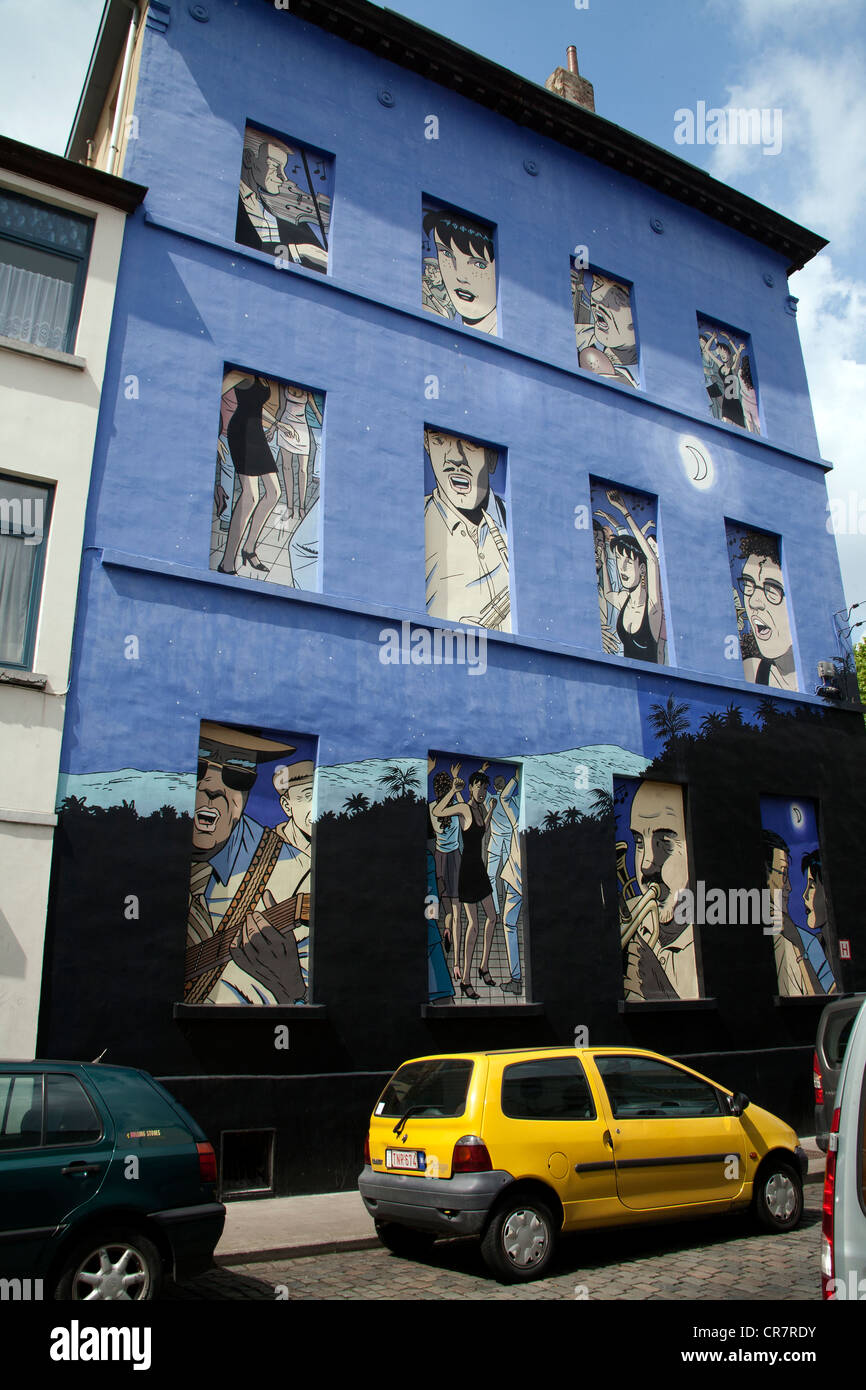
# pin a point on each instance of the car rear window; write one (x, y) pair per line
(836, 1037)
(69, 1114)
(550, 1088)
(435, 1089)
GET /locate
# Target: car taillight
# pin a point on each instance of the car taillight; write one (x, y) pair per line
(817, 1080)
(207, 1163)
(367, 1149)
(828, 1265)
(471, 1156)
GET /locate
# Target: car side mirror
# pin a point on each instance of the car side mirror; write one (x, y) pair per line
(738, 1103)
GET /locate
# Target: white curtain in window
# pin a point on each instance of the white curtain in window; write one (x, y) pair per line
(16, 577)
(34, 308)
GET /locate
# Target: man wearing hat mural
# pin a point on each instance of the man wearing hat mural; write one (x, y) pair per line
(248, 922)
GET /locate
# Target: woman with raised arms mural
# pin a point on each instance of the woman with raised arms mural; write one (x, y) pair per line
(640, 621)
(474, 886)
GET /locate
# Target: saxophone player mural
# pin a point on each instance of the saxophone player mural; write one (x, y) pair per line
(653, 870)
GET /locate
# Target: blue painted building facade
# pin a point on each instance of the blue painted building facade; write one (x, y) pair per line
(169, 649)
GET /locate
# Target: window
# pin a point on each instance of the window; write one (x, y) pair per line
(247, 1162)
(640, 1088)
(69, 1115)
(20, 1112)
(433, 1089)
(43, 266)
(549, 1089)
(24, 515)
(604, 325)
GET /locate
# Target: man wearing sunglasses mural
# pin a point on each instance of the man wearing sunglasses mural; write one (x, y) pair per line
(766, 644)
(248, 920)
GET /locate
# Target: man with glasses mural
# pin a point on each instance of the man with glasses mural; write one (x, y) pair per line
(766, 644)
(248, 918)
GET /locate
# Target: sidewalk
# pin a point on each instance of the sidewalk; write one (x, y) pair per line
(281, 1228)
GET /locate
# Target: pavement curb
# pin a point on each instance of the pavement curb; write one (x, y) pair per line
(297, 1252)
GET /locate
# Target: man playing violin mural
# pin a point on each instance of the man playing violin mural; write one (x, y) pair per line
(279, 207)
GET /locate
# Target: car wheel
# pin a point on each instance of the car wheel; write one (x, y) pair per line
(403, 1240)
(121, 1265)
(519, 1240)
(779, 1197)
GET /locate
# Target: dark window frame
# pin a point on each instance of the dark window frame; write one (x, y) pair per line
(39, 241)
(34, 602)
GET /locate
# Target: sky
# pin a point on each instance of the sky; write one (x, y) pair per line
(646, 59)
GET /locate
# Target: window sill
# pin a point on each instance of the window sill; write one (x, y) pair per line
(28, 679)
(482, 1011)
(65, 359)
(242, 1013)
(660, 1006)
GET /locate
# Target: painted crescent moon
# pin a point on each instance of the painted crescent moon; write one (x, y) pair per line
(701, 469)
(796, 815)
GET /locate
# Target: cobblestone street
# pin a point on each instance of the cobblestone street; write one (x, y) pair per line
(721, 1259)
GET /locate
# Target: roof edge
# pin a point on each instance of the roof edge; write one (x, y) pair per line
(59, 172)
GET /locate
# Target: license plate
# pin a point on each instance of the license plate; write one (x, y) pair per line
(412, 1159)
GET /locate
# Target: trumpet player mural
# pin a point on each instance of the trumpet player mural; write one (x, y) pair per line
(465, 533)
(653, 871)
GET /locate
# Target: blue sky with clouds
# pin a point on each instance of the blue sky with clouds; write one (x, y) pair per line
(646, 60)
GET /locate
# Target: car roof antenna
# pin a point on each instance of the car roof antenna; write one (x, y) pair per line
(100, 1057)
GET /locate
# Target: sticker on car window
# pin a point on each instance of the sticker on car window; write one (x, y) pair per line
(379, 1108)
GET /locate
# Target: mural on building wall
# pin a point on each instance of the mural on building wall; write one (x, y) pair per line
(458, 267)
(728, 376)
(465, 532)
(265, 521)
(628, 573)
(474, 880)
(653, 875)
(794, 875)
(763, 624)
(284, 200)
(604, 325)
(250, 873)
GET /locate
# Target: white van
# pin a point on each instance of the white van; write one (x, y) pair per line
(843, 1235)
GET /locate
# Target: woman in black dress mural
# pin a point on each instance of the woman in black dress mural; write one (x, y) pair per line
(257, 402)
(640, 623)
(473, 888)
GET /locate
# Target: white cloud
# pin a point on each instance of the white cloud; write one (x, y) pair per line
(818, 178)
(832, 322)
(761, 14)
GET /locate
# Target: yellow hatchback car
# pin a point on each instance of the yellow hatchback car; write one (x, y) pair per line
(519, 1146)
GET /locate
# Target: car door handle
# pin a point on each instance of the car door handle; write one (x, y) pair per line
(80, 1170)
(606, 1139)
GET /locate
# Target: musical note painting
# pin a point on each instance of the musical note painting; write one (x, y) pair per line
(248, 921)
(284, 200)
(465, 531)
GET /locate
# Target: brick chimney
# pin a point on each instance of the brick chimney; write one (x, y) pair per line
(567, 83)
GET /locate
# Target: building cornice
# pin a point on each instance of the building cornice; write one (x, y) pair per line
(446, 63)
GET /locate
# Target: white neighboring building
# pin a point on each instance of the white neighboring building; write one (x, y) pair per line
(61, 231)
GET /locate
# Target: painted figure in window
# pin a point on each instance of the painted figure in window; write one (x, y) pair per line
(468, 871)
(658, 948)
(801, 947)
(249, 904)
(604, 326)
(266, 493)
(766, 644)
(728, 378)
(458, 272)
(628, 576)
(466, 539)
(284, 203)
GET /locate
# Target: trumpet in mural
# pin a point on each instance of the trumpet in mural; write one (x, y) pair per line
(638, 912)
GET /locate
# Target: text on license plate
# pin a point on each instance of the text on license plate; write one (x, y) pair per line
(412, 1159)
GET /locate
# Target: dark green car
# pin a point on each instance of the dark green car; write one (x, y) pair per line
(106, 1184)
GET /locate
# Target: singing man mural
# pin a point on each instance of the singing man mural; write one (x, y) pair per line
(604, 326)
(766, 643)
(801, 945)
(284, 203)
(249, 904)
(466, 538)
(658, 951)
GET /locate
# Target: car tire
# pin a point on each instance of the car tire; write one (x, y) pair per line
(404, 1240)
(778, 1203)
(519, 1241)
(121, 1265)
